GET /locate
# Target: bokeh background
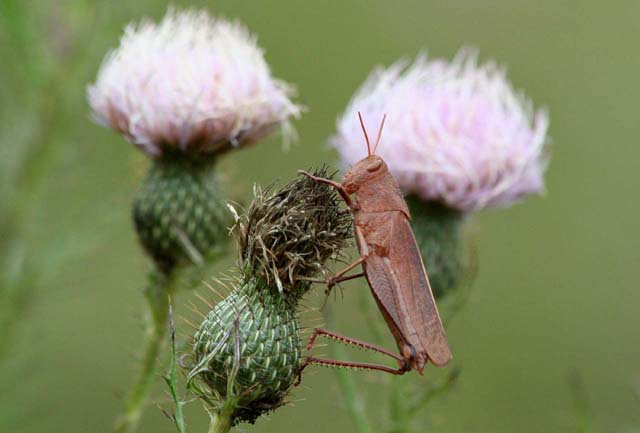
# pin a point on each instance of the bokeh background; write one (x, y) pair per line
(557, 294)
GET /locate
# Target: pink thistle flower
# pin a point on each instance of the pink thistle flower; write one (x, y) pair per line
(193, 83)
(456, 132)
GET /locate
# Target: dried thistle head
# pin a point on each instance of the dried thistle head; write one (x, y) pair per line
(247, 351)
(287, 236)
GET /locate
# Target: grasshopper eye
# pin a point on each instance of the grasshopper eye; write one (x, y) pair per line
(374, 166)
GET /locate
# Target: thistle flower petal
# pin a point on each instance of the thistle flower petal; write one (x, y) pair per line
(193, 83)
(456, 133)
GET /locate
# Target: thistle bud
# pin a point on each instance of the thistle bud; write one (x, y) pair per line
(247, 352)
(185, 91)
(458, 138)
(178, 212)
(439, 233)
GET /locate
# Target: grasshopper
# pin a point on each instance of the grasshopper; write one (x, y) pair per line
(392, 265)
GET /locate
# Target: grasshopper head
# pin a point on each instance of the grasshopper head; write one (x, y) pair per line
(364, 172)
(369, 168)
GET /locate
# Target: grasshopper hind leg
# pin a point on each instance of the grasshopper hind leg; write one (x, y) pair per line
(404, 364)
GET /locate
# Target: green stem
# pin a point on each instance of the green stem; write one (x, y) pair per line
(220, 422)
(584, 412)
(17, 277)
(433, 391)
(171, 377)
(355, 404)
(16, 288)
(352, 398)
(157, 295)
(400, 416)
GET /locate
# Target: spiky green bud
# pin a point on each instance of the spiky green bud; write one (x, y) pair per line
(439, 233)
(247, 352)
(178, 213)
(255, 331)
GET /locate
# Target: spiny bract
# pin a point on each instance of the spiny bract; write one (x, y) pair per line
(178, 213)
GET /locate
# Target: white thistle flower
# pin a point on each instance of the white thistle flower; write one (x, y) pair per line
(456, 132)
(193, 83)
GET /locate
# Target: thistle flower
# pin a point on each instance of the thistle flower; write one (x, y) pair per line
(458, 138)
(247, 351)
(185, 91)
(191, 83)
(457, 133)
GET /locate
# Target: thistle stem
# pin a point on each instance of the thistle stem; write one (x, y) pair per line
(157, 295)
(171, 380)
(400, 416)
(219, 424)
(352, 398)
(354, 402)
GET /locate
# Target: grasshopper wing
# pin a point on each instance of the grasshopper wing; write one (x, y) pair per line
(380, 277)
(416, 291)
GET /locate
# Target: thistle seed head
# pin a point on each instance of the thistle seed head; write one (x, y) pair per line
(288, 235)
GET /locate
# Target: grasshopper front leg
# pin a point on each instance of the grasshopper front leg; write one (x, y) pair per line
(339, 277)
(343, 193)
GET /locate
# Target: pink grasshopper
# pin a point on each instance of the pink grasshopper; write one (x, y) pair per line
(392, 264)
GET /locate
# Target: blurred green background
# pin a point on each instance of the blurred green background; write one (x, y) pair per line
(557, 293)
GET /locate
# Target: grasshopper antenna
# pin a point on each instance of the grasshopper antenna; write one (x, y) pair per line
(366, 137)
(379, 133)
